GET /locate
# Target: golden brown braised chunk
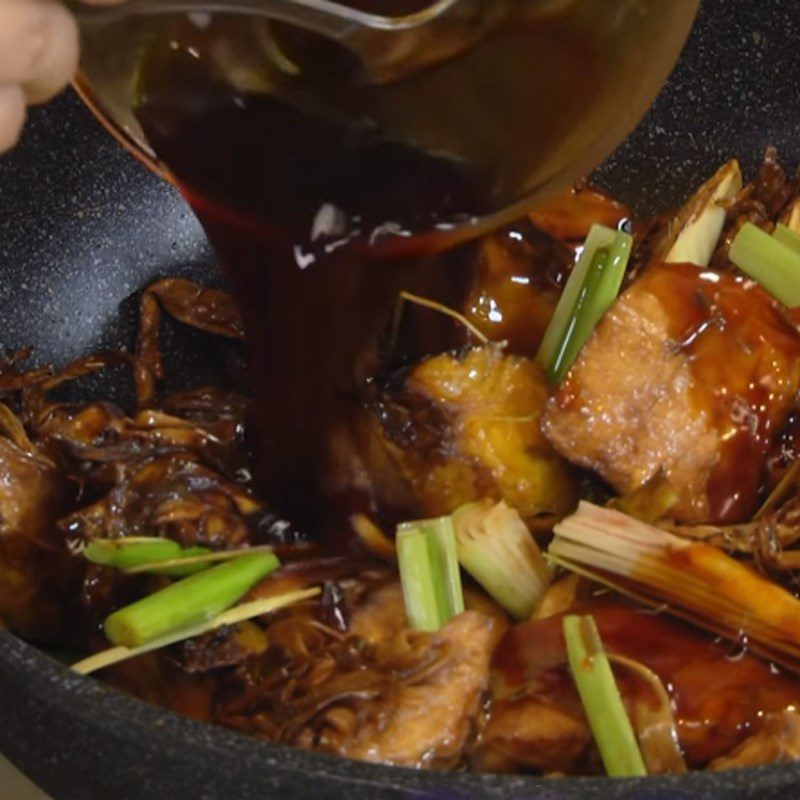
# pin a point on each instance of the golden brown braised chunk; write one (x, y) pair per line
(466, 428)
(433, 720)
(690, 374)
(720, 695)
(377, 691)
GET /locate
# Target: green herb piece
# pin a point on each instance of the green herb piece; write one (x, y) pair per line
(192, 560)
(590, 291)
(602, 703)
(497, 549)
(786, 236)
(429, 572)
(233, 616)
(191, 601)
(768, 261)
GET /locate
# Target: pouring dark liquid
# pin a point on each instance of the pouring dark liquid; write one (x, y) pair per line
(293, 187)
(314, 184)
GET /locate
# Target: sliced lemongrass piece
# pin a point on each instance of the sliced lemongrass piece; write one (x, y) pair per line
(598, 238)
(497, 549)
(656, 729)
(788, 237)
(700, 222)
(131, 551)
(600, 289)
(191, 601)
(428, 562)
(188, 560)
(712, 589)
(444, 557)
(768, 262)
(605, 711)
(591, 289)
(233, 616)
(659, 605)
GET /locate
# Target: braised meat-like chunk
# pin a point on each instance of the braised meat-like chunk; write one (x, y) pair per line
(466, 428)
(719, 699)
(688, 376)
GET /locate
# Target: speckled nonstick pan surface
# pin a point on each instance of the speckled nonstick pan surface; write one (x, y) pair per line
(83, 227)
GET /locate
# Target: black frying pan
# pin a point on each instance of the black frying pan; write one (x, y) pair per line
(83, 227)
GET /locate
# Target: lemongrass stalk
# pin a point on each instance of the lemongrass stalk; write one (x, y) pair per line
(605, 711)
(233, 616)
(598, 238)
(702, 582)
(444, 558)
(786, 236)
(578, 330)
(429, 573)
(785, 656)
(191, 601)
(130, 552)
(597, 293)
(769, 262)
(701, 220)
(418, 580)
(192, 559)
(497, 549)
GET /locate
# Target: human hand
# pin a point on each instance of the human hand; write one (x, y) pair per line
(38, 57)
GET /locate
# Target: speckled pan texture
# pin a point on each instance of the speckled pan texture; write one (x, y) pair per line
(83, 227)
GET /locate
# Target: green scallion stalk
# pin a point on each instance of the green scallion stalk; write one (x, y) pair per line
(788, 237)
(192, 560)
(768, 261)
(602, 703)
(590, 291)
(599, 237)
(188, 602)
(497, 549)
(233, 616)
(132, 553)
(429, 572)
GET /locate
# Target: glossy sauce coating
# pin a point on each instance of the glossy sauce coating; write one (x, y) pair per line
(691, 374)
(745, 358)
(719, 691)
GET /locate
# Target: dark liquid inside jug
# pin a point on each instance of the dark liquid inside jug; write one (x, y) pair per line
(297, 172)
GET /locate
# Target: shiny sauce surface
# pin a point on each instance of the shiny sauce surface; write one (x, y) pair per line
(744, 356)
(720, 692)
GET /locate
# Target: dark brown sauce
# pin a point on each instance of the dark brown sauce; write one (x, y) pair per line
(295, 186)
(720, 692)
(745, 359)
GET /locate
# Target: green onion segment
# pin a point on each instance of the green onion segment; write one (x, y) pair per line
(769, 261)
(233, 616)
(602, 703)
(188, 602)
(590, 291)
(134, 551)
(429, 572)
(788, 237)
(497, 549)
